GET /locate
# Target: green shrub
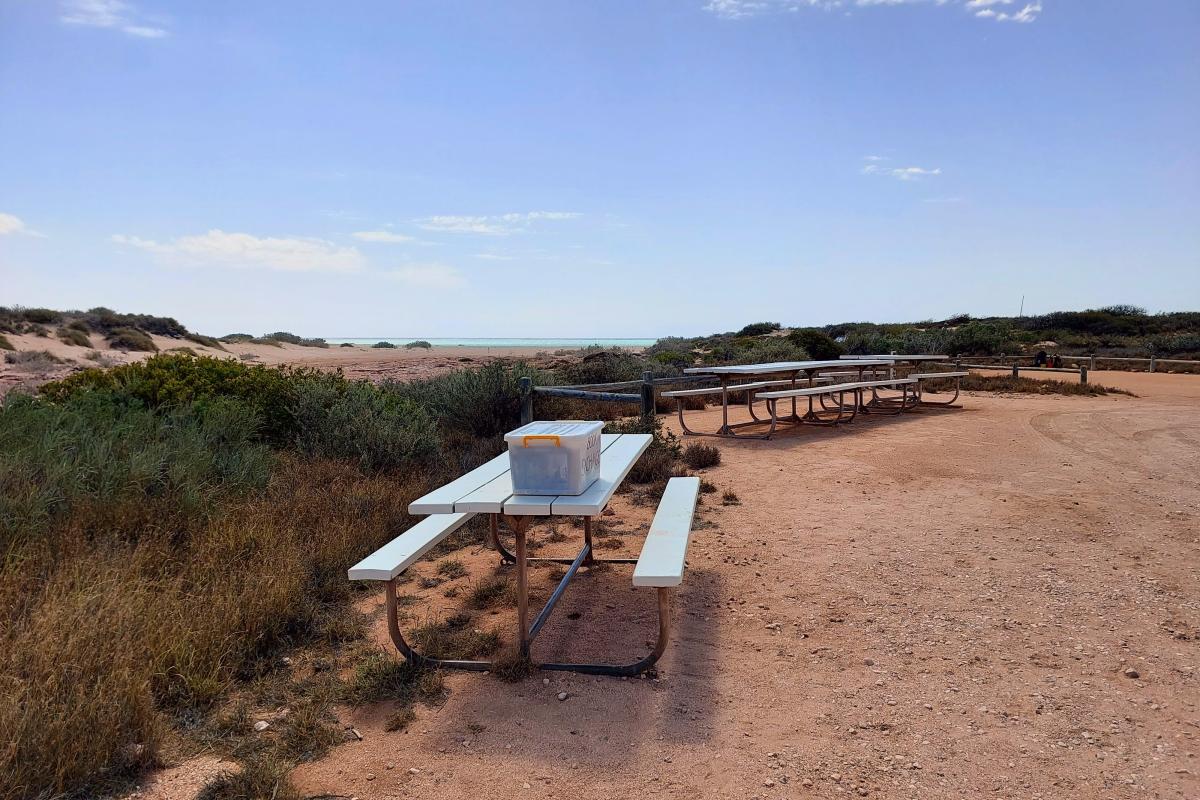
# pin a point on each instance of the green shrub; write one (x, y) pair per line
(42, 316)
(379, 430)
(345, 344)
(383, 345)
(95, 449)
(674, 358)
(105, 320)
(74, 336)
(5, 344)
(699, 456)
(817, 344)
(758, 329)
(37, 362)
(169, 379)
(483, 402)
(131, 339)
(207, 341)
(419, 343)
(291, 338)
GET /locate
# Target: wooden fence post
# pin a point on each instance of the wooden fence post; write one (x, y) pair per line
(1083, 374)
(1092, 362)
(647, 394)
(1153, 362)
(526, 400)
(1015, 373)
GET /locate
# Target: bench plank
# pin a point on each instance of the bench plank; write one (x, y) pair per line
(662, 558)
(442, 499)
(394, 557)
(932, 375)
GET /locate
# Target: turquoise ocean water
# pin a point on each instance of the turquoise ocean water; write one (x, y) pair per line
(545, 344)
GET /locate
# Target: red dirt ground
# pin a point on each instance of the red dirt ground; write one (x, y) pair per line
(949, 603)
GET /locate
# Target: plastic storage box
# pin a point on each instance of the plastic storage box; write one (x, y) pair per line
(561, 457)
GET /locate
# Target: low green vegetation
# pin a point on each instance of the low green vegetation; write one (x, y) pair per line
(384, 346)
(1113, 331)
(73, 336)
(418, 344)
(5, 344)
(1007, 383)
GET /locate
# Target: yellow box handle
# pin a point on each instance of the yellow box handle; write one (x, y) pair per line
(525, 439)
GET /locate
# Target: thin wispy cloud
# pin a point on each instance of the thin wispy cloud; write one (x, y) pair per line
(875, 166)
(388, 237)
(112, 14)
(427, 276)
(1027, 14)
(12, 225)
(745, 9)
(491, 225)
(494, 257)
(246, 251)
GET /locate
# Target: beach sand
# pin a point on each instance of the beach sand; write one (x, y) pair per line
(358, 361)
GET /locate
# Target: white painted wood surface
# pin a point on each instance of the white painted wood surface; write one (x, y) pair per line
(394, 557)
(665, 550)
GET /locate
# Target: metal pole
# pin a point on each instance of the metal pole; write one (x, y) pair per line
(526, 400)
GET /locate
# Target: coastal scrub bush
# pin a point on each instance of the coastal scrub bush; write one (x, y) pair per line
(699, 456)
(37, 362)
(105, 320)
(383, 345)
(758, 329)
(376, 429)
(42, 316)
(419, 343)
(5, 344)
(483, 402)
(207, 341)
(94, 451)
(130, 339)
(816, 343)
(74, 336)
(291, 338)
(171, 379)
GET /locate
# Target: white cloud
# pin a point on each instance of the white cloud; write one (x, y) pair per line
(428, 276)
(494, 257)
(873, 167)
(382, 236)
(1027, 14)
(113, 14)
(491, 225)
(11, 224)
(247, 251)
(744, 9)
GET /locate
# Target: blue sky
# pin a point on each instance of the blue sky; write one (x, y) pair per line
(640, 168)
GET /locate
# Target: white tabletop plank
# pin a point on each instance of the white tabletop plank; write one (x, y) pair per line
(901, 357)
(441, 500)
(614, 466)
(790, 366)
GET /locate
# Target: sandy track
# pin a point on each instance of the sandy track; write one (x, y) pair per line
(936, 605)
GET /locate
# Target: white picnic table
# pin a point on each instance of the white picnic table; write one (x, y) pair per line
(488, 489)
(788, 369)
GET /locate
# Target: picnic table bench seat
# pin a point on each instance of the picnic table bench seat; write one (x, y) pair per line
(922, 377)
(740, 387)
